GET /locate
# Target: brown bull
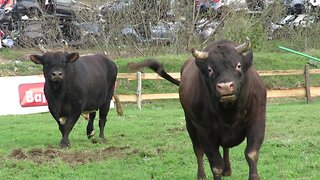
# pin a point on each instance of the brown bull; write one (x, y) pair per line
(224, 101)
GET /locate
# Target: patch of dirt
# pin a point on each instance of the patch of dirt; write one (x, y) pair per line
(49, 154)
(18, 154)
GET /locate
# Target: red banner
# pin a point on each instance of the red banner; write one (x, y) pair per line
(32, 94)
(9, 2)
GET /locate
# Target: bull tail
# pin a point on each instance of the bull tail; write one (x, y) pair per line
(155, 66)
(119, 108)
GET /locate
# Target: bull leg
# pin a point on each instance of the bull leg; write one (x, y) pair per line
(198, 151)
(67, 127)
(61, 128)
(90, 128)
(254, 141)
(215, 160)
(103, 113)
(211, 149)
(252, 156)
(199, 155)
(227, 167)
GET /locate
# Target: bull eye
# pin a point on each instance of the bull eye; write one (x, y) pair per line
(64, 63)
(238, 67)
(210, 71)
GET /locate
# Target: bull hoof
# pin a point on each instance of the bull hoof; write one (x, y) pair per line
(64, 146)
(254, 177)
(217, 177)
(103, 140)
(226, 172)
(201, 177)
(100, 141)
(94, 141)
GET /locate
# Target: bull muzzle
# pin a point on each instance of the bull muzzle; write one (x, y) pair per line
(57, 76)
(226, 91)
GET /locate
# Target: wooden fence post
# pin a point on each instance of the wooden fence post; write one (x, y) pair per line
(307, 82)
(139, 89)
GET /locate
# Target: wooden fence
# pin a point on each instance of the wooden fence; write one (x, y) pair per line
(306, 91)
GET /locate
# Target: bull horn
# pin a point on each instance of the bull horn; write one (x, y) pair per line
(65, 46)
(199, 54)
(244, 47)
(42, 49)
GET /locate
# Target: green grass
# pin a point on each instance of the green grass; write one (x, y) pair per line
(15, 63)
(153, 143)
(172, 62)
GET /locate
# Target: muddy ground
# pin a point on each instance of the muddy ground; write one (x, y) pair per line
(49, 154)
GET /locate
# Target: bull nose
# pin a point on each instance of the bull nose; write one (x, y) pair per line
(57, 75)
(225, 88)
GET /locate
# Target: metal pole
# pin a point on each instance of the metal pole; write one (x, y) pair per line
(299, 53)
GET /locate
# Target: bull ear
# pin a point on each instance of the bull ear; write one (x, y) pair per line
(73, 57)
(202, 65)
(36, 59)
(246, 52)
(247, 60)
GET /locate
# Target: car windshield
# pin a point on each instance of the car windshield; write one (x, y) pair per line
(29, 0)
(64, 1)
(129, 2)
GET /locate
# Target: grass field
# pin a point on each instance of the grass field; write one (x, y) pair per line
(153, 143)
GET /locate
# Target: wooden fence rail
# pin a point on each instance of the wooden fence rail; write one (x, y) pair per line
(306, 91)
(154, 76)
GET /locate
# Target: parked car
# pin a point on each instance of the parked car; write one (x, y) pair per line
(160, 33)
(37, 8)
(154, 8)
(298, 14)
(153, 28)
(57, 8)
(31, 21)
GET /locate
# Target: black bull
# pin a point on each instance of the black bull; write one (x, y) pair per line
(224, 101)
(75, 85)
